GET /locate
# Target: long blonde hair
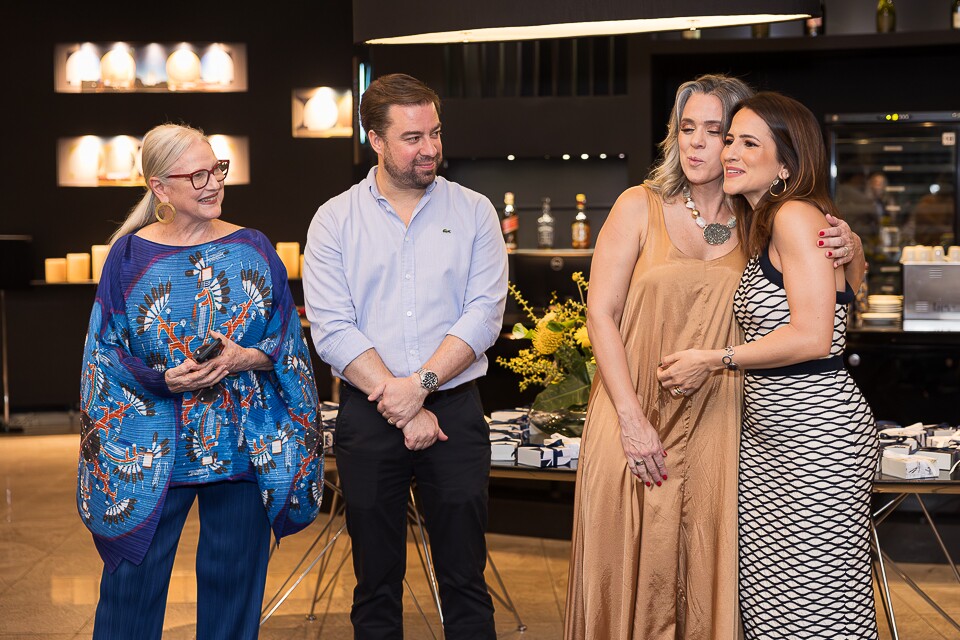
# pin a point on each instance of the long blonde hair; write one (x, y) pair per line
(667, 178)
(162, 147)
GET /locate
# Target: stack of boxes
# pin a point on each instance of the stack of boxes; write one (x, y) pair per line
(919, 451)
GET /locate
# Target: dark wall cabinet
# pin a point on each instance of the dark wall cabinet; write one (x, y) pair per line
(907, 377)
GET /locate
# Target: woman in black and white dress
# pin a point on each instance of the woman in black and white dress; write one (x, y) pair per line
(808, 444)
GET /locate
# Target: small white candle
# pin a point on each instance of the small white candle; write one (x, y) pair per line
(55, 269)
(78, 267)
(98, 253)
(289, 253)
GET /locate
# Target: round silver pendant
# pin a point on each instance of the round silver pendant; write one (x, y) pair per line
(716, 233)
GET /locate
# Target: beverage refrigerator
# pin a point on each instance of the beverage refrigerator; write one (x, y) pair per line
(894, 178)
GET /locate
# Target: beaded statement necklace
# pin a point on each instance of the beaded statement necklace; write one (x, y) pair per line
(714, 233)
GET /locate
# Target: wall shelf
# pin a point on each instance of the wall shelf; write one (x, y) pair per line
(120, 67)
(94, 161)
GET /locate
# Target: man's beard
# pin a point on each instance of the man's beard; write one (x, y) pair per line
(410, 176)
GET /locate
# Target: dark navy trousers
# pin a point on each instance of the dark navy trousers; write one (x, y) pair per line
(376, 471)
(232, 560)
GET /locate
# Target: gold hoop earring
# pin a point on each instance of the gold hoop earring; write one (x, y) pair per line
(164, 219)
(782, 189)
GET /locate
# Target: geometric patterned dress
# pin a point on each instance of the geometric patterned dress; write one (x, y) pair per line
(155, 306)
(808, 454)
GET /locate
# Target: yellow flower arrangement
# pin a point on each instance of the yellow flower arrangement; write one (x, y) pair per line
(561, 358)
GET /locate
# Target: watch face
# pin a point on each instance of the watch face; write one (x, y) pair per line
(429, 380)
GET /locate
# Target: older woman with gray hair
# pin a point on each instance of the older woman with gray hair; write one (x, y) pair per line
(654, 552)
(196, 386)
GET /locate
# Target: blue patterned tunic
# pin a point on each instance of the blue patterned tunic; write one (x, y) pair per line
(155, 305)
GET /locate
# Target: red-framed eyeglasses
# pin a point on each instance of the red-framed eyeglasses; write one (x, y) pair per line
(201, 177)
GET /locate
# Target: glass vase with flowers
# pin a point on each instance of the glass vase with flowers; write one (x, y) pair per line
(560, 359)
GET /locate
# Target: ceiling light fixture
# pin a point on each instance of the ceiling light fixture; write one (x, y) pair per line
(451, 21)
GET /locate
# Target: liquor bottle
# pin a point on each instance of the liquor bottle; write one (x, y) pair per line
(816, 25)
(886, 17)
(760, 30)
(545, 226)
(510, 221)
(581, 226)
(955, 15)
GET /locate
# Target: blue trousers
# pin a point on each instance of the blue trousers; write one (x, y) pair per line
(232, 560)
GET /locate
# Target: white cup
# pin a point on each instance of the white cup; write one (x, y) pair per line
(953, 254)
(909, 254)
(938, 254)
(924, 253)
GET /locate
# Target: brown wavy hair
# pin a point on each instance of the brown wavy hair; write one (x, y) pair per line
(386, 91)
(799, 143)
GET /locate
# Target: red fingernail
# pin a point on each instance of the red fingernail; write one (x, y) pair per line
(822, 233)
(829, 254)
(648, 484)
(664, 476)
(659, 483)
(819, 243)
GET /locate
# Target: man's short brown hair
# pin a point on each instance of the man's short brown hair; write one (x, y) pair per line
(386, 91)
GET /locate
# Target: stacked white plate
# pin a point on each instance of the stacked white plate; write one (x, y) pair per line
(884, 309)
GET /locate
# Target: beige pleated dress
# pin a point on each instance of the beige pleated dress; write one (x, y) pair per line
(661, 563)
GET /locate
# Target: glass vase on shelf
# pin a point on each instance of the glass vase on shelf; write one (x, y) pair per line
(565, 422)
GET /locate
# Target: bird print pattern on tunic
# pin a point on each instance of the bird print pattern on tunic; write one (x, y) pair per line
(155, 305)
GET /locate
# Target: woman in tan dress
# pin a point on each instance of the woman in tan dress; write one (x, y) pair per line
(654, 551)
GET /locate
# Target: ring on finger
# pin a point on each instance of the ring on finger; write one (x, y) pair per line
(677, 391)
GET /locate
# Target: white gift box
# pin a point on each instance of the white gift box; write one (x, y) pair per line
(329, 438)
(570, 444)
(945, 458)
(504, 451)
(909, 467)
(941, 430)
(943, 441)
(544, 457)
(899, 449)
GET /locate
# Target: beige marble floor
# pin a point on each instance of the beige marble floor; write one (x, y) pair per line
(49, 569)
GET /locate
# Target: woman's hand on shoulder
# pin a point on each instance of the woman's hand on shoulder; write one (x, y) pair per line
(795, 223)
(839, 243)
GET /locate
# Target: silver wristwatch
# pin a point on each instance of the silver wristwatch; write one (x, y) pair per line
(428, 379)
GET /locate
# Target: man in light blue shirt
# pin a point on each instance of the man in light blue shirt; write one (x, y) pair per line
(405, 280)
